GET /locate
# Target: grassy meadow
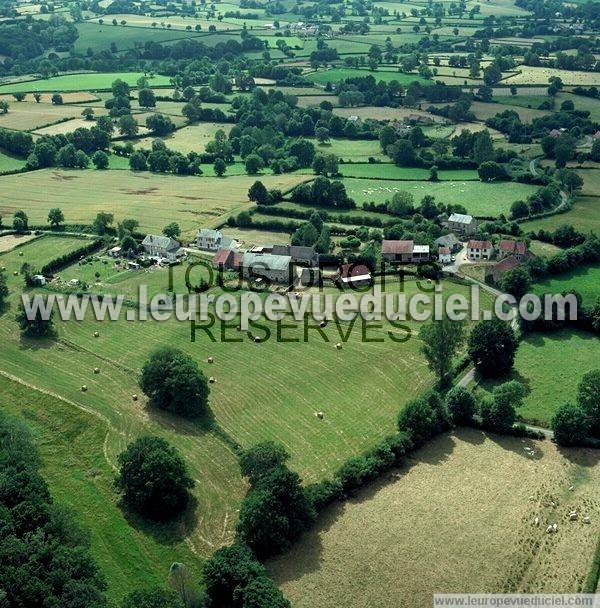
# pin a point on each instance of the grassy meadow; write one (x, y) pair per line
(586, 280)
(584, 216)
(457, 517)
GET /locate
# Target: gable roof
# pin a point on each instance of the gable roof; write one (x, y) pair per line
(460, 218)
(209, 232)
(397, 247)
(222, 256)
(444, 251)
(448, 240)
(164, 242)
(473, 244)
(510, 246)
(296, 251)
(509, 263)
(266, 261)
(354, 271)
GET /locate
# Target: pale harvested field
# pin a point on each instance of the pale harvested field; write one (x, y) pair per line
(29, 116)
(10, 241)
(76, 97)
(378, 113)
(188, 139)
(154, 200)
(483, 111)
(458, 518)
(531, 75)
(307, 101)
(65, 127)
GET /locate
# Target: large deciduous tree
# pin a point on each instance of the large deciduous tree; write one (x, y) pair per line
(492, 346)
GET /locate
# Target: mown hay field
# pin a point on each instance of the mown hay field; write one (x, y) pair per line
(188, 139)
(383, 113)
(155, 200)
(25, 116)
(457, 518)
(533, 75)
(478, 198)
(483, 111)
(337, 74)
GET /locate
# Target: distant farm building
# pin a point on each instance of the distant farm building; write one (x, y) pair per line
(227, 259)
(213, 240)
(404, 252)
(444, 255)
(162, 248)
(355, 275)
(450, 241)
(274, 268)
(299, 253)
(479, 250)
(508, 247)
(462, 224)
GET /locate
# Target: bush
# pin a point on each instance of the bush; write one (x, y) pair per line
(174, 382)
(261, 459)
(423, 418)
(570, 425)
(36, 327)
(261, 592)
(229, 569)
(461, 405)
(152, 598)
(324, 492)
(153, 478)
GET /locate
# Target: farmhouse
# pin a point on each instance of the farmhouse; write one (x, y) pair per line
(298, 253)
(227, 259)
(114, 252)
(508, 247)
(444, 255)
(213, 240)
(404, 252)
(162, 247)
(462, 224)
(508, 263)
(479, 250)
(450, 241)
(354, 275)
(274, 268)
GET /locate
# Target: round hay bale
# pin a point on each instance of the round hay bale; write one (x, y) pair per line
(323, 324)
(3, 268)
(134, 397)
(96, 334)
(15, 273)
(96, 370)
(212, 380)
(84, 388)
(339, 345)
(320, 415)
(211, 360)
(20, 254)
(239, 328)
(257, 339)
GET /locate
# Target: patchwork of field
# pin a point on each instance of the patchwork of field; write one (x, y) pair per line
(75, 97)
(458, 518)
(585, 216)
(591, 181)
(480, 199)
(358, 150)
(551, 366)
(384, 113)
(393, 172)
(81, 82)
(156, 200)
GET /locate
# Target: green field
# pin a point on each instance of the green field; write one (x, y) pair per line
(10, 163)
(585, 216)
(551, 365)
(188, 139)
(337, 74)
(81, 82)
(391, 171)
(155, 200)
(478, 198)
(586, 280)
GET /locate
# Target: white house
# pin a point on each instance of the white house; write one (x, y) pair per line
(162, 247)
(213, 240)
(479, 250)
(444, 255)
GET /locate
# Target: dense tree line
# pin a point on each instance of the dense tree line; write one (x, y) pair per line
(45, 556)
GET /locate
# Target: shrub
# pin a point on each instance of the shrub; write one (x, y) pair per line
(324, 493)
(570, 425)
(37, 327)
(152, 598)
(153, 478)
(461, 405)
(261, 459)
(423, 418)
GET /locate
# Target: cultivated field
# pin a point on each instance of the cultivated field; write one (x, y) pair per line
(457, 518)
(155, 200)
(532, 75)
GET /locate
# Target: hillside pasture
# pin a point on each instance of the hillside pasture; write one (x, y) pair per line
(585, 216)
(68, 126)
(383, 113)
(31, 116)
(393, 172)
(483, 111)
(551, 366)
(336, 74)
(357, 150)
(68, 98)
(480, 199)
(456, 518)
(585, 279)
(155, 200)
(9, 162)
